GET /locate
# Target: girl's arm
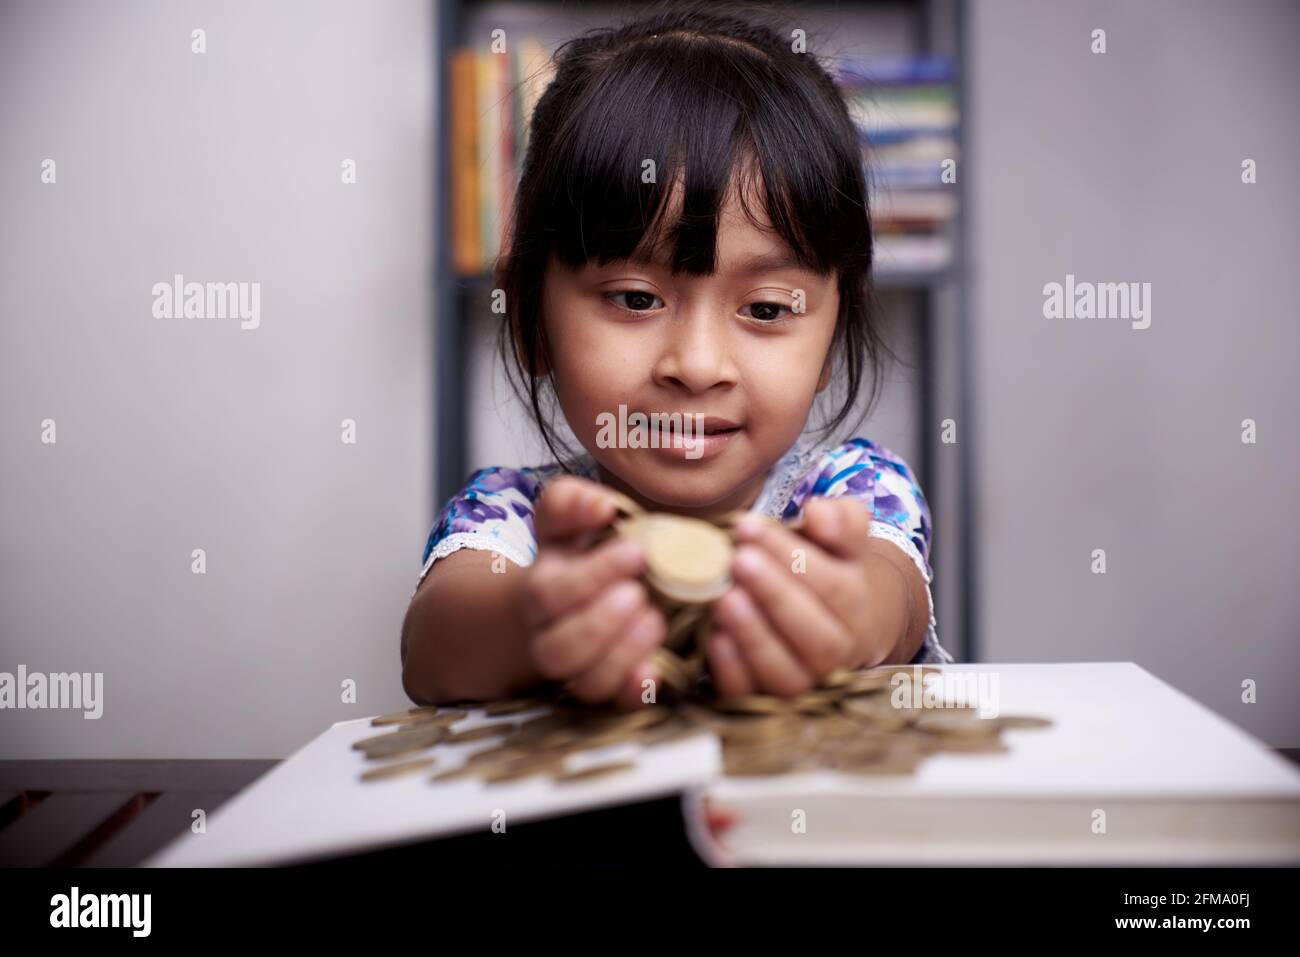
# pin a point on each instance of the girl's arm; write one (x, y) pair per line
(465, 636)
(902, 610)
(578, 614)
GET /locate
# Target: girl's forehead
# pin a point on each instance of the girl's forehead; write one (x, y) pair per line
(744, 230)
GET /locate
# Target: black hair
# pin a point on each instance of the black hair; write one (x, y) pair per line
(707, 94)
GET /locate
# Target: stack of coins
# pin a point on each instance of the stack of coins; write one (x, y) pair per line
(849, 724)
(688, 566)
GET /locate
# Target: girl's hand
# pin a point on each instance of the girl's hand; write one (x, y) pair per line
(592, 625)
(804, 605)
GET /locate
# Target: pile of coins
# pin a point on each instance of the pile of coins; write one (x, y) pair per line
(850, 724)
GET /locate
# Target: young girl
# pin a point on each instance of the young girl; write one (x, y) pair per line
(691, 235)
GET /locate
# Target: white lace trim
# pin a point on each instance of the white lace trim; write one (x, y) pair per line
(895, 535)
(458, 540)
(785, 478)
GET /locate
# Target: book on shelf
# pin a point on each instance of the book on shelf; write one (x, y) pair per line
(492, 97)
(905, 109)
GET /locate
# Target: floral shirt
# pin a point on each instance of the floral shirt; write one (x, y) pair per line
(494, 511)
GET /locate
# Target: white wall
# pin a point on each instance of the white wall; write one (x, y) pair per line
(178, 434)
(1090, 434)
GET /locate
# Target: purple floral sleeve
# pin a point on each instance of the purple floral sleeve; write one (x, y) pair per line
(494, 512)
(879, 478)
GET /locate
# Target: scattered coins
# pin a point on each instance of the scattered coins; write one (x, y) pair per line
(848, 725)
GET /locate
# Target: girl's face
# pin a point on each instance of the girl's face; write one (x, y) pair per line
(728, 347)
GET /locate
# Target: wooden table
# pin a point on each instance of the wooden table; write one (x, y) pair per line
(107, 813)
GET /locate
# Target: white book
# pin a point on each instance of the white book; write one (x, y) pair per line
(1131, 772)
(1176, 784)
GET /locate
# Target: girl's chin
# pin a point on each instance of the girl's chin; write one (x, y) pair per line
(678, 484)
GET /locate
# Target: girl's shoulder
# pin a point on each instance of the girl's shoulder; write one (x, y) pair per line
(858, 467)
(499, 481)
(493, 510)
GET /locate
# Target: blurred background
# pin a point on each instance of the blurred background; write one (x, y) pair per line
(355, 160)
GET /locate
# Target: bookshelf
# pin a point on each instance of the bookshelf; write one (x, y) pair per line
(926, 286)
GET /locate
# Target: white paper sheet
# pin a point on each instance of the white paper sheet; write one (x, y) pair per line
(314, 803)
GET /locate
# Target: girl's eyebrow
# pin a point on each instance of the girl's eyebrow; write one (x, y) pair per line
(767, 262)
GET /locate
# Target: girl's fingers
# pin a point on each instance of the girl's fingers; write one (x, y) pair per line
(730, 675)
(558, 584)
(840, 525)
(767, 658)
(805, 563)
(607, 676)
(569, 506)
(630, 698)
(576, 641)
(817, 636)
(799, 556)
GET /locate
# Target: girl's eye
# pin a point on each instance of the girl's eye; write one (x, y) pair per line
(767, 311)
(637, 300)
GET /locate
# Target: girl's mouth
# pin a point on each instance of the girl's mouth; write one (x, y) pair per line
(693, 438)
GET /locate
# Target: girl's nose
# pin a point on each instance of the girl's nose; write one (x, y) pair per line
(696, 353)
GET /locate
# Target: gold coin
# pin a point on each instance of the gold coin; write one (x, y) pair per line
(594, 771)
(1018, 721)
(682, 624)
(672, 670)
(552, 721)
(643, 717)
(400, 717)
(496, 754)
(687, 560)
(763, 763)
(518, 770)
(416, 716)
(867, 682)
(669, 732)
(889, 765)
(403, 742)
(839, 678)
(419, 732)
(956, 725)
(396, 770)
(479, 733)
(456, 773)
(769, 729)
